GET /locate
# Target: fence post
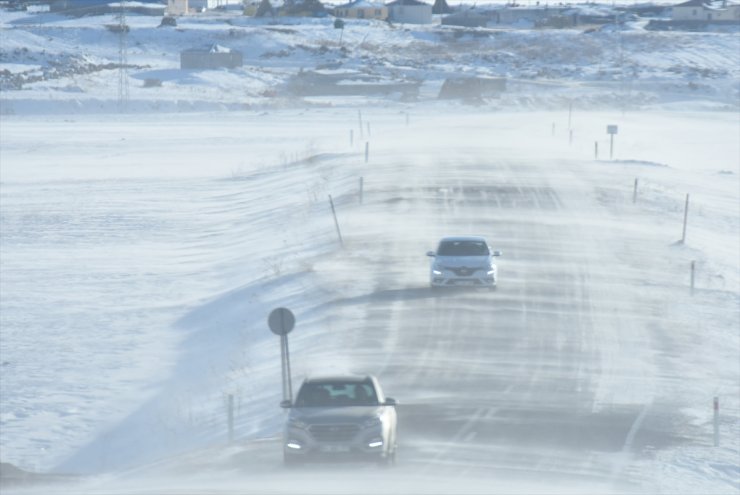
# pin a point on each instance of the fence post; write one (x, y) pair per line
(367, 150)
(596, 150)
(336, 222)
(634, 193)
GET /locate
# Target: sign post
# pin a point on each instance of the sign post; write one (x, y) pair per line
(611, 130)
(281, 322)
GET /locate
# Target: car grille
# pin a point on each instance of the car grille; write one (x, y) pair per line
(334, 433)
(463, 271)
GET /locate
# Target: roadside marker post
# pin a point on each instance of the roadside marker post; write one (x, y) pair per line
(367, 151)
(362, 180)
(570, 113)
(634, 193)
(716, 421)
(596, 150)
(336, 222)
(693, 269)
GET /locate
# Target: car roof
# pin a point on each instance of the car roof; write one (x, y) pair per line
(475, 238)
(338, 378)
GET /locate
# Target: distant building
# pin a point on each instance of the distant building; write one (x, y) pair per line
(707, 11)
(466, 18)
(362, 9)
(350, 82)
(303, 8)
(203, 5)
(410, 12)
(472, 88)
(535, 15)
(101, 7)
(177, 7)
(213, 57)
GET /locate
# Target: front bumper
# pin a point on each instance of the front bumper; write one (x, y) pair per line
(448, 278)
(303, 445)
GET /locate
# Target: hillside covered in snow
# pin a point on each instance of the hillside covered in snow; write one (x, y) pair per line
(73, 64)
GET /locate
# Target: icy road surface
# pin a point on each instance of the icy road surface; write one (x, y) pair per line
(590, 370)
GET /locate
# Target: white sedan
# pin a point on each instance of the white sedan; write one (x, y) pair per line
(463, 261)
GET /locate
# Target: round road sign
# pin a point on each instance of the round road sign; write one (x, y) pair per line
(281, 321)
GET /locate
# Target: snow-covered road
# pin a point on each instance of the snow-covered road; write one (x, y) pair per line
(591, 369)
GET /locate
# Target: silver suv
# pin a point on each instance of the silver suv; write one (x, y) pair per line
(340, 418)
(463, 261)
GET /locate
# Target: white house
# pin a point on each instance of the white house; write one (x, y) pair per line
(362, 9)
(707, 11)
(410, 12)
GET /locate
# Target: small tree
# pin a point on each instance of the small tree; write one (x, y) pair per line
(441, 7)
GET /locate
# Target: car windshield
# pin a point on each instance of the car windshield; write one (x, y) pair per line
(336, 394)
(462, 248)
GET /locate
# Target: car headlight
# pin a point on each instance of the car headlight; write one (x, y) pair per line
(436, 272)
(371, 423)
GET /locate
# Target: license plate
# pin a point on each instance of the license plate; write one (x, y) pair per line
(465, 282)
(334, 448)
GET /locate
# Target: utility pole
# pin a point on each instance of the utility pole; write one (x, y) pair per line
(122, 60)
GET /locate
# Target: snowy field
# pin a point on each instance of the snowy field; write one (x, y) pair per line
(141, 252)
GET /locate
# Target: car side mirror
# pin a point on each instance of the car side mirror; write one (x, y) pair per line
(498, 253)
(431, 253)
(286, 404)
(390, 402)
